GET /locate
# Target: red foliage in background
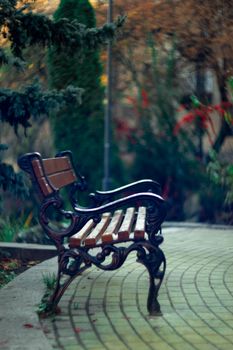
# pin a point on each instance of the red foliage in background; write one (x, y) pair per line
(203, 117)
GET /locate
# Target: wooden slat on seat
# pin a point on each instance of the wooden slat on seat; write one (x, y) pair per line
(110, 229)
(76, 240)
(126, 225)
(107, 236)
(96, 233)
(139, 229)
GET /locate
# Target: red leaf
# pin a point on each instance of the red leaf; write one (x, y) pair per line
(188, 118)
(78, 330)
(127, 317)
(28, 325)
(145, 99)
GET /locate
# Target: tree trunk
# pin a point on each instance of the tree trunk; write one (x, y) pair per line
(225, 129)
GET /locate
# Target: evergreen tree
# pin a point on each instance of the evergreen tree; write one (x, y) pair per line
(80, 129)
(19, 29)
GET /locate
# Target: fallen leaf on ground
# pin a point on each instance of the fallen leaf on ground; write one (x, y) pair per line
(28, 325)
(78, 330)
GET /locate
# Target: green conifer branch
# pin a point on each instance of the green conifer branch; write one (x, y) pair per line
(9, 179)
(24, 29)
(16, 108)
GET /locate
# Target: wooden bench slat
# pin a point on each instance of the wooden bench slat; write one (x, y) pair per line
(51, 166)
(77, 238)
(116, 220)
(139, 229)
(45, 187)
(58, 173)
(126, 225)
(62, 179)
(56, 165)
(57, 180)
(96, 233)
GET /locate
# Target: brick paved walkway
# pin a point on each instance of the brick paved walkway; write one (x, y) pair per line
(107, 310)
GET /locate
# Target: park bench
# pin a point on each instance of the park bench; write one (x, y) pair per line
(116, 223)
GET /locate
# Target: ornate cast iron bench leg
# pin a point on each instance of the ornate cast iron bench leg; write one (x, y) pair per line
(155, 263)
(150, 256)
(70, 270)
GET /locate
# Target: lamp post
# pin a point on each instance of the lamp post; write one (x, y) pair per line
(108, 108)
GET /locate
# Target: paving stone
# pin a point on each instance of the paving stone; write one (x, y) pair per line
(162, 346)
(205, 346)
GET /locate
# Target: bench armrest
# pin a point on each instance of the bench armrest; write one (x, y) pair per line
(133, 199)
(146, 185)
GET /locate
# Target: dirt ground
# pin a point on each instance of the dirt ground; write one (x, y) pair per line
(10, 268)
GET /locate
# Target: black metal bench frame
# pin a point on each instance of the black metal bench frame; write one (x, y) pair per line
(72, 261)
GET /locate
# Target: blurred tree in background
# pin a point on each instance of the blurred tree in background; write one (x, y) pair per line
(170, 132)
(159, 151)
(79, 128)
(204, 32)
(21, 29)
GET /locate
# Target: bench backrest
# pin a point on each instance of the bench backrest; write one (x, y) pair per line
(48, 174)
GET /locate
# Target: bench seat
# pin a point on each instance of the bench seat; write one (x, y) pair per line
(113, 228)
